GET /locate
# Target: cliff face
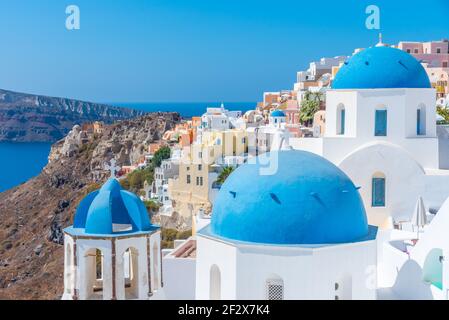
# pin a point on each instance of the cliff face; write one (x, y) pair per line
(32, 118)
(33, 215)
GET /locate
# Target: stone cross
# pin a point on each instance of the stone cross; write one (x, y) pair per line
(112, 167)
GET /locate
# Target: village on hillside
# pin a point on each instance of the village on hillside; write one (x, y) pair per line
(373, 125)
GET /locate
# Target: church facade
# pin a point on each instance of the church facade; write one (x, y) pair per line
(300, 233)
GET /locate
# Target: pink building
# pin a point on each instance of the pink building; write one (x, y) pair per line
(292, 112)
(435, 53)
(434, 57)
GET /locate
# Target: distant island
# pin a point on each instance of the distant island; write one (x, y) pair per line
(35, 118)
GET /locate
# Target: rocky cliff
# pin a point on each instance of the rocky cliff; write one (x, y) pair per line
(32, 118)
(33, 215)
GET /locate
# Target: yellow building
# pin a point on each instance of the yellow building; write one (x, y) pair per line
(195, 188)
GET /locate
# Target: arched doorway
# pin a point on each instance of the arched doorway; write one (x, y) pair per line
(433, 268)
(155, 267)
(70, 270)
(215, 283)
(131, 273)
(94, 270)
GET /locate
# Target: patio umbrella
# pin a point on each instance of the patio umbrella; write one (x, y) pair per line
(419, 218)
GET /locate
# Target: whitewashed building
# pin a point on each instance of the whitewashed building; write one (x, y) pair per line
(219, 119)
(381, 131)
(299, 233)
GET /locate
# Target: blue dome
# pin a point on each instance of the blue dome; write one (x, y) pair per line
(100, 210)
(277, 113)
(381, 68)
(307, 201)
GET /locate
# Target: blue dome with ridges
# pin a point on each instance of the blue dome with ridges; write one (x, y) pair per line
(381, 68)
(277, 113)
(308, 200)
(100, 210)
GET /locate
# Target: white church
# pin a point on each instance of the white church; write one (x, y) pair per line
(112, 251)
(360, 213)
(381, 131)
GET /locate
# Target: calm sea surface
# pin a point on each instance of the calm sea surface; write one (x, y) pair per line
(22, 161)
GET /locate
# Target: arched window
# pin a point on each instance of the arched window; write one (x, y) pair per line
(215, 283)
(378, 190)
(155, 267)
(380, 122)
(94, 268)
(341, 119)
(274, 288)
(421, 120)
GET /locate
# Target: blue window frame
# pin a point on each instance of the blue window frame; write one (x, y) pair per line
(418, 122)
(342, 121)
(380, 123)
(378, 196)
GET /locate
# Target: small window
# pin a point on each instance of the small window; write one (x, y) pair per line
(275, 289)
(408, 51)
(380, 123)
(438, 50)
(188, 179)
(341, 119)
(416, 50)
(200, 167)
(444, 64)
(378, 192)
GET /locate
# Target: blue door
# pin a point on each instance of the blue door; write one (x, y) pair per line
(378, 196)
(418, 122)
(381, 123)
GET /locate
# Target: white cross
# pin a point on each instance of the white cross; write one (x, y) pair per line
(112, 167)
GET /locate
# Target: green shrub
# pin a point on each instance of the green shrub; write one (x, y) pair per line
(170, 235)
(135, 180)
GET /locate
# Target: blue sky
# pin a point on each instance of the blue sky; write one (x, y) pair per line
(189, 51)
